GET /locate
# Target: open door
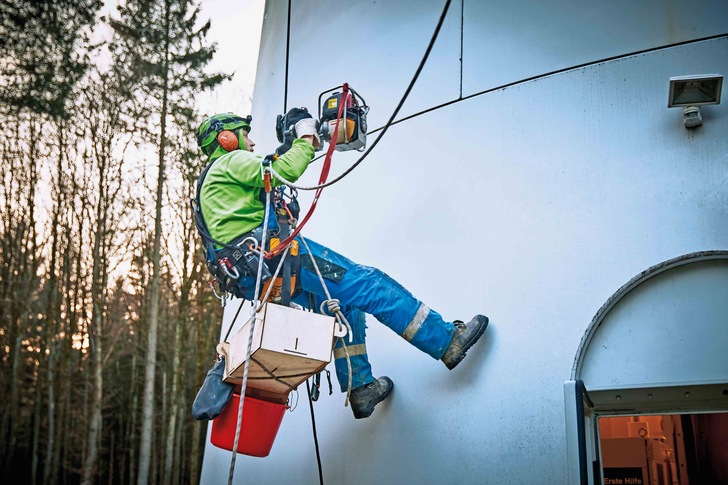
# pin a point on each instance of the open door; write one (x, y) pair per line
(661, 435)
(582, 444)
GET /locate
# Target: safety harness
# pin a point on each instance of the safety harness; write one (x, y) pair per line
(234, 265)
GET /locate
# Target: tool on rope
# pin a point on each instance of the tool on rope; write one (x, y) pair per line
(348, 126)
(345, 117)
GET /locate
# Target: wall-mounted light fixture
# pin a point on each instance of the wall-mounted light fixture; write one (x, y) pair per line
(689, 92)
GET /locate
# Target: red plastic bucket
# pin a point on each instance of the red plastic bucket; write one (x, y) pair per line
(261, 420)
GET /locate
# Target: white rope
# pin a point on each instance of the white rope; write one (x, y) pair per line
(291, 184)
(332, 305)
(253, 312)
(275, 275)
(335, 309)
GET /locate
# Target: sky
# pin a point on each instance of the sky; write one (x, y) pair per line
(235, 28)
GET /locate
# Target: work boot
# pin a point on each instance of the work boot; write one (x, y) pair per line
(465, 335)
(364, 398)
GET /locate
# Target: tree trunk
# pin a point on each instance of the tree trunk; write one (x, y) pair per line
(51, 416)
(92, 443)
(148, 394)
(52, 312)
(14, 389)
(111, 459)
(98, 298)
(36, 433)
(172, 419)
(131, 440)
(63, 416)
(181, 463)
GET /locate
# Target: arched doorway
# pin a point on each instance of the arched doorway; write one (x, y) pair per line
(647, 401)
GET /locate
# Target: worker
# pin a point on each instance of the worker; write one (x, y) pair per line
(232, 204)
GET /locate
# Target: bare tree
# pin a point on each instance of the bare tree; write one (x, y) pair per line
(165, 49)
(106, 129)
(86, 287)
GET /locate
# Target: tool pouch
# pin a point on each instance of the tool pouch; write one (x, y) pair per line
(214, 394)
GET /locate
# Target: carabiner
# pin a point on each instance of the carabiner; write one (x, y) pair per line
(222, 298)
(234, 276)
(224, 263)
(252, 243)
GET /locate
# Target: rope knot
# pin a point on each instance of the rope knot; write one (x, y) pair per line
(332, 305)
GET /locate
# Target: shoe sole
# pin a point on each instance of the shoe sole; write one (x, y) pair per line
(469, 344)
(384, 396)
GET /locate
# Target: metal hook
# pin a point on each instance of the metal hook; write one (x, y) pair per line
(251, 242)
(234, 275)
(222, 298)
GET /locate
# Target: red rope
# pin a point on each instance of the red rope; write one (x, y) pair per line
(322, 179)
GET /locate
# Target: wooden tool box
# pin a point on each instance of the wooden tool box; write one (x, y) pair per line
(289, 345)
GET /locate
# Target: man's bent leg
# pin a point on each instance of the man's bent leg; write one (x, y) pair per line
(361, 370)
(372, 291)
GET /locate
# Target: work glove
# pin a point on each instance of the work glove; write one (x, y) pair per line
(285, 133)
(308, 127)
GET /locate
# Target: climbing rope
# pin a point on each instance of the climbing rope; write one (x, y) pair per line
(255, 308)
(333, 306)
(315, 436)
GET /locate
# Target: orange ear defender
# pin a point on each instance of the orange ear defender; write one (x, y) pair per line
(228, 140)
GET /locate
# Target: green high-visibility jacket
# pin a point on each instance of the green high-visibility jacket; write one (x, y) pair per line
(230, 194)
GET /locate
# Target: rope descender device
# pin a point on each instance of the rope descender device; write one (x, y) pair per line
(265, 169)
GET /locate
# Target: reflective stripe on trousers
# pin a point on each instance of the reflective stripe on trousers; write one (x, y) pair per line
(363, 289)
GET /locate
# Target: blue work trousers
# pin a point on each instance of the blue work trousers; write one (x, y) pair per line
(363, 289)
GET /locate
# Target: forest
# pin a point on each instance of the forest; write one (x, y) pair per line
(108, 324)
